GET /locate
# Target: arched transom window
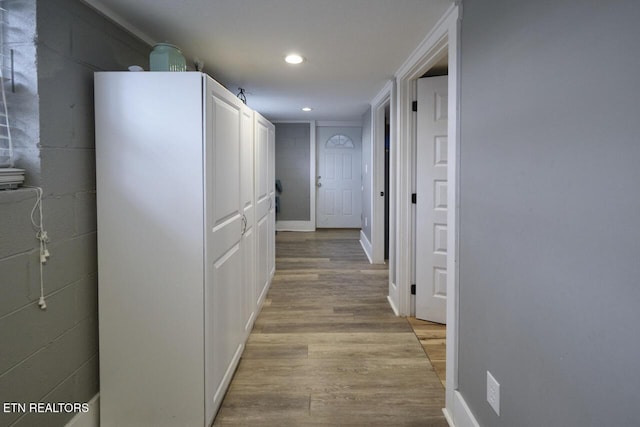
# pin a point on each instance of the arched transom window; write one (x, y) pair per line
(339, 141)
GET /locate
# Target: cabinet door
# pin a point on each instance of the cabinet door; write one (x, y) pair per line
(272, 192)
(264, 206)
(247, 183)
(224, 325)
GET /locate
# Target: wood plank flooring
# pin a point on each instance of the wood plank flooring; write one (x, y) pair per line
(433, 338)
(327, 350)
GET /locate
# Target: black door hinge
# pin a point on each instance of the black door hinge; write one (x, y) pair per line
(413, 289)
(414, 198)
(414, 106)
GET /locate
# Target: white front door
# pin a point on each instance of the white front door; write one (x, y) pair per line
(339, 180)
(431, 207)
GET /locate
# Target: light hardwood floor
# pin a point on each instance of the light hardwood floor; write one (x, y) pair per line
(327, 350)
(433, 338)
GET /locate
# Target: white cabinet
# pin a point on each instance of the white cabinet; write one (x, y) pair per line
(265, 204)
(182, 240)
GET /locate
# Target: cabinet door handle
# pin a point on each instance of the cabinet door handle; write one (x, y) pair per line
(244, 224)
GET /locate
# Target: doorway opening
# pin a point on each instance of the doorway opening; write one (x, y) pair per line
(387, 181)
(382, 181)
(430, 188)
(442, 40)
(428, 305)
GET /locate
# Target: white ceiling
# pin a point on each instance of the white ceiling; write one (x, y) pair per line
(353, 47)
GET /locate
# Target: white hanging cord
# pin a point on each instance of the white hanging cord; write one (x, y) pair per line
(42, 236)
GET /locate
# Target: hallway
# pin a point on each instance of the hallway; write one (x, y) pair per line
(327, 349)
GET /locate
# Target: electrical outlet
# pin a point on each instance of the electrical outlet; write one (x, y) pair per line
(493, 393)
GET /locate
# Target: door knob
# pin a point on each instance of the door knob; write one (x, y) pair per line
(319, 185)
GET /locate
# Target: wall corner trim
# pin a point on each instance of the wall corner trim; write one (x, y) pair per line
(90, 418)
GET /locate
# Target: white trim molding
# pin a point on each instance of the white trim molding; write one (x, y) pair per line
(335, 124)
(366, 245)
(378, 105)
(393, 306)
(313, 197)
(384, 93)
(90, 418)
(461, 415)
(295, 226)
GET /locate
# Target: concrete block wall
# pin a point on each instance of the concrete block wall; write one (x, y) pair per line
(22, 90)
(52, 355)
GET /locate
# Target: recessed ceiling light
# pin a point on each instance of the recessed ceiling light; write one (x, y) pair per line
(307, 109)
(294, 59)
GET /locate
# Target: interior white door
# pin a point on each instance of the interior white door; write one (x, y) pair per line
(339, 179)
(431, 206)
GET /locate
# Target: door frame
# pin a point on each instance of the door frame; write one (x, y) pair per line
(444, 37)
(311, 224)
(378, 105)
(327, 123)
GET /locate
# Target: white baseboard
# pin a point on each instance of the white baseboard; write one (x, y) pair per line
(461, 415)
(88, 419)
(393, 306)
(226, 379)
(295, 226)
(366, 245)
(448, 417)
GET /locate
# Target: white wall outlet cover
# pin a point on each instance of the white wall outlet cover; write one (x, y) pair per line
(493, 393)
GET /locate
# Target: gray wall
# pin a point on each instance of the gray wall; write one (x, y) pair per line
(292, 169)
(367, 176)
(51, 355)
(549, 217)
